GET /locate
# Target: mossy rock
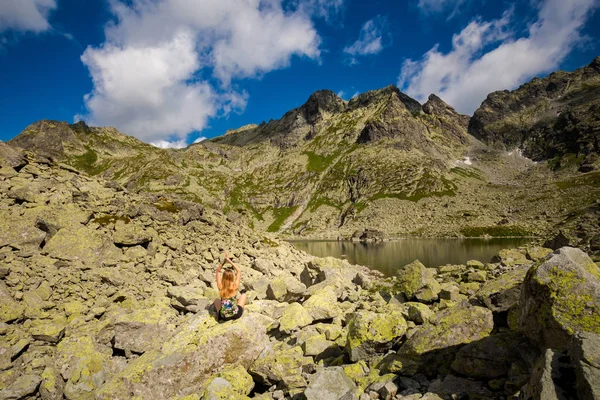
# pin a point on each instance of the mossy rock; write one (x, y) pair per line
(233, 382)
(322, 304)
(294, 317)
(561, 297)
(283, 367)
(433, 347)
(504, 292)
(416, 281)
(371, 333)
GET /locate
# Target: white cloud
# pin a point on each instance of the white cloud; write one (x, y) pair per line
(165, 144)
(200, 139)
(25, 15)
(151, 76)
(469, 72)
(341, 94)
(370, 39)
(438, 6)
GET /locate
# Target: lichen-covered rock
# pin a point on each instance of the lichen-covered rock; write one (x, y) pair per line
(493, 357)
(282, 367)
(536, 253)
(511, 257)
(319, 347)
(51, 220)
(370, 333)
(52, 386)
(545, 379)
(294, 317)
(416, 281)
(418, 313)
(433, 347)
(452, 387)
(83, 245)
(19, 232)
(504, 292)
(142, 330)
(285, 288)
(48, 331)
(331, 383)
(233, 382)
(189, 358)
(190, 298)
(24, 386)
(322, 304)
(82, 363)
(560, 298)
(10, 310)
(131, 234)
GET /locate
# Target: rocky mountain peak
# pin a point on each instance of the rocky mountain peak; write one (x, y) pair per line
(321, 101)
(391, 91)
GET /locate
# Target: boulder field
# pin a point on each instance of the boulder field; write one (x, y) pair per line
(107, 294)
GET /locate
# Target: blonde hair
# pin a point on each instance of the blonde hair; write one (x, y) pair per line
(228, 286)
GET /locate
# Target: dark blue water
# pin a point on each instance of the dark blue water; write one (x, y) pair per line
(388, 257)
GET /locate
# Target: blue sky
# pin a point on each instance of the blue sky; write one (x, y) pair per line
(172, 71)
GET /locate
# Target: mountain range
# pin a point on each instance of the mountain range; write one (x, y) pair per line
(526, 163)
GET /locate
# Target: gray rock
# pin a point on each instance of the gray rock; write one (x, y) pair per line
(331, 383)
(585, 354)
(542, 384)
(561, 297)
(24, 386)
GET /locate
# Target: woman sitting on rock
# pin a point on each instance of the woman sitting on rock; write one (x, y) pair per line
(227, 306)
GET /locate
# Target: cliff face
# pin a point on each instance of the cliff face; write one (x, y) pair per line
(547, 118)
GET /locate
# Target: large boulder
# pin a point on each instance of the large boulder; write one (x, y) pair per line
(503, 292)
(585, 354)
(19, 232)
(285, 288)
(494, 356)
(10, 310)
(131, 234)
(233, 382)
(370, 333)
(332, 384)
(83, 245)
(294, 317)
(281, 367)
(322, 304)
(561, 297)
(189, 358)
(418, 282)
(433, 347)
(142, 330)
(546, 382)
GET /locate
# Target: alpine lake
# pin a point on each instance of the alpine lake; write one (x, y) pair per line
(390, 256)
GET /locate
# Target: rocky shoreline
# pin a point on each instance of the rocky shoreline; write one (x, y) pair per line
(105, 294)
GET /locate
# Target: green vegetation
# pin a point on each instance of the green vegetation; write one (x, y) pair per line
(280, 214)
(495, 231)
(318, 163)
(86, 163)
(166, 205)
(110, 219)
(591, 179)
(468, 173)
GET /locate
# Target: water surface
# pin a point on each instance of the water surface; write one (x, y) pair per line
(388, 257)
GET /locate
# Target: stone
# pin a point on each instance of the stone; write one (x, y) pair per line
(561, 297)
(322, 304)
(456, 387)
(449, 291)
(52, 386)
(511, 257)
(283, 367)
(504, 292)
(371, 333)
(418, 313)
(189, 296)
(432, 348)
(476, 276)
(25, 385)
(585, 354)
(202, 345)
(10, 310)
(475, 264)
(542, 384)
(142, 330)
(285, 288)
(493, 357)
(172, 276)
(50, 332)
(131, 234)
(319, 347)
(416, 281)
(19, 232)
(44, 291)
(537, 253)
(233, 382)
(83, 245)
(294, 317)
(51, 220)
(331, 383)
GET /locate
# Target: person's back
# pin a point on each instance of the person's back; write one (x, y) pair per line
(227, 306)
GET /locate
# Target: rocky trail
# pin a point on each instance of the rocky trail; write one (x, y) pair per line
(106, 294)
